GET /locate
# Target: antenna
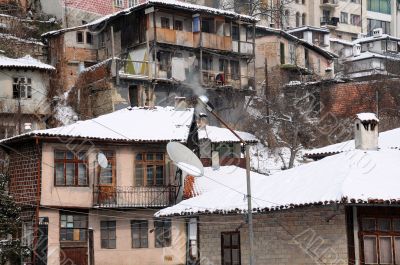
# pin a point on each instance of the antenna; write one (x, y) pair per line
(185, 159)
(102, 160)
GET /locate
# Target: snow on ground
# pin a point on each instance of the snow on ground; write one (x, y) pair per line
(64, 113)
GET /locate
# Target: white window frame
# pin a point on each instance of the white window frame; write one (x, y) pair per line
(132, 3)
(26, 87)
(119, 3)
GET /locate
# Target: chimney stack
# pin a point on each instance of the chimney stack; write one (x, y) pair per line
(366, 131)
(180, 103)
(202, 122)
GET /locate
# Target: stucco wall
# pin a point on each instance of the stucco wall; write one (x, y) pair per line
(303, 236)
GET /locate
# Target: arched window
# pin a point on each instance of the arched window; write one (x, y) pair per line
(303, 19)
(297, 19)
(303, 2)
(287, 18)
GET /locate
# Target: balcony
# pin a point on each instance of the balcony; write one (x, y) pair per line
(329, 3)
(176, 37)
(330, 22)
(216, 42)
(127, 196)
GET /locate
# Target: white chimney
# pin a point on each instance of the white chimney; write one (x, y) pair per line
(366, 131)
(180, 103)
(361, 35)
(202, 122)
(356, 49)
(377, 32)
(215, 159)
(27, 127)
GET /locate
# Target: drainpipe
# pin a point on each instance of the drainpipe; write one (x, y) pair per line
(36, 230)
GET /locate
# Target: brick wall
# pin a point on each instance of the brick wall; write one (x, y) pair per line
(23, 171)
(315, 235)
(102, 7)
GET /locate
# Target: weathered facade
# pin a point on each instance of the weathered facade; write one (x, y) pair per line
(282, 58)
(176, 49)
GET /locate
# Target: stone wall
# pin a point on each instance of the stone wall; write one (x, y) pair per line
(314, 235)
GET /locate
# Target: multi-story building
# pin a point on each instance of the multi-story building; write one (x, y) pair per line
(175, 49)
(88, 191)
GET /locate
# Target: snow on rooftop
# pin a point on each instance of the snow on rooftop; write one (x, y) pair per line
(341, 41)
(367, 116)
(167, 3)
(370, 55)
(137, 124)
(220, 135)
(352, 177)
(387, 140)
(374, 38)
(24, 62)
(307, 28)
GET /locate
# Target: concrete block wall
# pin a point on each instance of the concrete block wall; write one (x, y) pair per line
(315, 235)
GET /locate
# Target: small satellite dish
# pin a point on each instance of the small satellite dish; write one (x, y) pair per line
(102, 160)
(185, 159)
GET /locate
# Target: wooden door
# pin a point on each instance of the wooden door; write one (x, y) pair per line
(74, 256)
(107, 181)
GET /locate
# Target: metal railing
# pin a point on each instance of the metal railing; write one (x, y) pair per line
(128, 196)
(329, 21)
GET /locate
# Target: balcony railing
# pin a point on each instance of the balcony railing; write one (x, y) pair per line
(127, 196)
(329, 3)
(329, 21)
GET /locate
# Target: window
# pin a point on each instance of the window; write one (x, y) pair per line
(224, 149)
(207, 63)
(344, 18)
(391, 46)
(282, 52)
(207, 25)
(178, 25)
(89, 38)
(164, 59)
(303, 19)
(235, 33)
(230, 245)
(374, 24)
(119, 3)
(79, 37)
(164, 22)
(297, 19)
(132, 3)
(235, 72)
(381, 6)
(162, 233)
(27, 234)
(355, 20)
(106, 175)
(70, 168)
(139, 230)
(73, 227)
(22, 87)
(108, 234)
(380, 240)
(303, 2)
(292, 54)
(149, 169)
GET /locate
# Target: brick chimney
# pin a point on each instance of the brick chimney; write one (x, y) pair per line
(366, 131)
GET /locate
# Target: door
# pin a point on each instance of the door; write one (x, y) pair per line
(107, 180)
(74, 256)
(134, 95)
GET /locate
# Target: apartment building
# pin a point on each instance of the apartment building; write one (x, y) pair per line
(175, 49)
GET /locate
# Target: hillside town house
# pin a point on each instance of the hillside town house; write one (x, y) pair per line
(283, 58)
(24, 104)
(315, 213)
(175, 49)
(75, 210)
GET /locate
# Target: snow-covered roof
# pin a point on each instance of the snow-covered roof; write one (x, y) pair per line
(341, 41)
(369, 55)
(164, 3)
(26, 62)
(387, 140)
(28, 41)
(367, 116)
(307, 28)
(311, 46)
(375, 38)
(158, 124)
(356, 176)
(223, 135)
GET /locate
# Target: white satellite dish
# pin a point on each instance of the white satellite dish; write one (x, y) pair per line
(185, 159)
(102, 160)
